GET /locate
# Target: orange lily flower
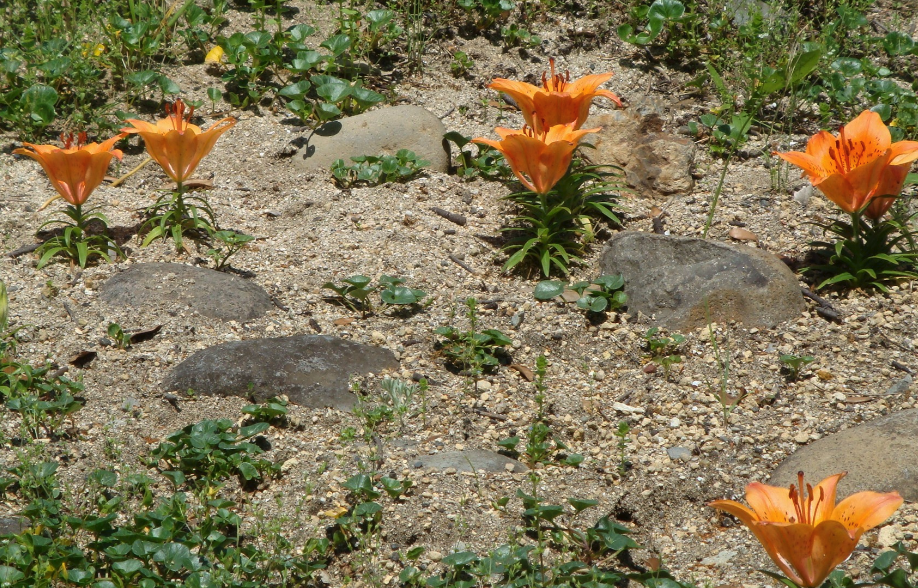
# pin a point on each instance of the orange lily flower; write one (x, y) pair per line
(176, 144)
(74, 171)
(559, 101)
(861, 167)
(807, 535)
(539, 160)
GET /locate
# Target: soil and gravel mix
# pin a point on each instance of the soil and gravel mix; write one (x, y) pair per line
(309, 232)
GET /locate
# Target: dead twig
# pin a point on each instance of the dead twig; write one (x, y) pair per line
(450, 216)
(462, 264)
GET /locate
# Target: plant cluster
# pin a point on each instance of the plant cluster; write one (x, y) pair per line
(862, 172)
(373, 170)
(542, 445)
(469, 350)
(601, 295)
(562, 552)
(203, 455)
(561, 198)
(356, 290)
(663, 350)
(123, 536)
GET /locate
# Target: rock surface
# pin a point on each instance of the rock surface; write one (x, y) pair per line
(480, 459)
(312, 370)
(656, 164)
(218, 295)
(878, 455)
(380, 131)
(679, 280)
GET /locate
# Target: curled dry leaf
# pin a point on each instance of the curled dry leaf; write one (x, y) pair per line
(741, 234)
(524, 371)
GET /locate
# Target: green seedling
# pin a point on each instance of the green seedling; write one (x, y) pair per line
(392, 292)
(515, 36)
(231, 242)
(461, 64)
(401, 394)
(795, 364)
(663, 350)
(603, 294)
(121, 338)
(273, 411)
(372, 170)
(658, 15)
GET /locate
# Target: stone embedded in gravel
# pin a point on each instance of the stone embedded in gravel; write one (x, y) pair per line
(312, 370)
(152, 287)
(722, 558)
(656, 164)
(680, 280)
(680, 453)
(900, 386)
(878, 455)
(464, 461)
(379, 131)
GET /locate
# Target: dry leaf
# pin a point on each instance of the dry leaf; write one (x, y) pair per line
(524, 371)
(741, 234)
(145, 335)
(655, 211)
(343, 321)
(858, 399)
(824, 374)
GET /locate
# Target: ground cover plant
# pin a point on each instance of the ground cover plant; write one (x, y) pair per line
(603, 471)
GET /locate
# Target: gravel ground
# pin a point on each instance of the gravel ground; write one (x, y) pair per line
(310, 232)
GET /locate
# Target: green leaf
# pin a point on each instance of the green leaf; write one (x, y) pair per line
(666, 9)
(326, 111)
(296, 90)
(366, 98)
(803, 65)
(105, 478)
(337, 44)
(334, 92)
(128, 566)
(248, 471)
(582, 504)
(548, 289)
(214, 94)
(168, 86)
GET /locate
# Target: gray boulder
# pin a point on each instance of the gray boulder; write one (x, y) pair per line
(679, 280)
(657, 164)
(157, 287)
(379, 131)
(878, 455)
(465, 461)
(312, 370)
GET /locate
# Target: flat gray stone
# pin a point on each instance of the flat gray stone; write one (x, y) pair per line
(657, 164)
(878, 455)
(312, 370)
(680, 453)
(679, 280)
(385, 130)
(465, 461)
(13, 525)
(154, 287)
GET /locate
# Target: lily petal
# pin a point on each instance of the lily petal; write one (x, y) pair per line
(865, 510)
(771, 503)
